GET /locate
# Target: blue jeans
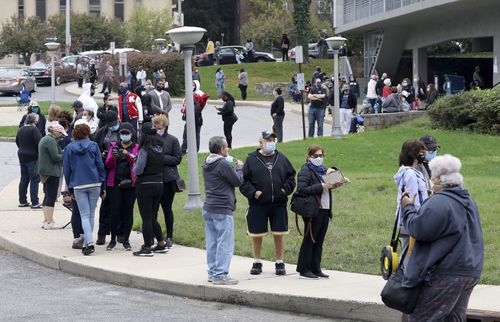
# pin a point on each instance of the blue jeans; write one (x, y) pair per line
(86, 199)
(219, 231)
(315, 114)
(29, 177)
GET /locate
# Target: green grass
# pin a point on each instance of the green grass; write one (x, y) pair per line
(257, 73)
(364, 210)
(11, 131)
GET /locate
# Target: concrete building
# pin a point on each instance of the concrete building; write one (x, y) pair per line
(391, 26)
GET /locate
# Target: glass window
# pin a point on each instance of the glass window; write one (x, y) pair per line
(62, 5)
(20, 8)
(95, 7)
(41, 10)
(119, 12)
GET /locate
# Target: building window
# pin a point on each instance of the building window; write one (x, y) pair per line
(62, 5)
(119, 12)
(20, 8)
(41, 10)
(95, 7)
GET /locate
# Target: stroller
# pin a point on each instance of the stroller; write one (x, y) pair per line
(23, 99)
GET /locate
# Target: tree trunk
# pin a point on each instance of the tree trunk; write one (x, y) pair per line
(301, 19)
(26, 58)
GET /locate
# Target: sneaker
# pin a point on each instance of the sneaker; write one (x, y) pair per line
(144, 252)
(210, 279)
(169, 243)
(51, 225)
(256, 269)
(111, 245)
(77, 243)
(159, 249)
(280, 268)
(101, 240)
(308, 276)
(321, 274)
(24, 204)
(126, 245)
(37, 206)
(43, 224)
(226, 280)
(87, 250)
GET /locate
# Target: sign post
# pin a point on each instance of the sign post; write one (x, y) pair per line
(299, 59)
(123, 65)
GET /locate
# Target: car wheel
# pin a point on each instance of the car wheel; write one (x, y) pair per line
(261, 60)
(58, 80)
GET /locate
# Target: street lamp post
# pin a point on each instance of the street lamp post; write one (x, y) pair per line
(52, 47)
(335, 43)
(160, 42)
(186, 37)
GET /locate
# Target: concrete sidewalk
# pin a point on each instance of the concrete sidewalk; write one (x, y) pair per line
(183, 272)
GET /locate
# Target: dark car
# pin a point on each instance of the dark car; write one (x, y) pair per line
(42, 72)
(229, 54)
(14, 80)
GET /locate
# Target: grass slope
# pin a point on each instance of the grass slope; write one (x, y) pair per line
(364, 210)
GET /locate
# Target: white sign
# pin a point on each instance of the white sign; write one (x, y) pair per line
(495, 65)
(112, 47)
(299, 55)
(300, 82)
(123, 58)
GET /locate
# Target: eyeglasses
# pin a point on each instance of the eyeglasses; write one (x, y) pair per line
(315, 156)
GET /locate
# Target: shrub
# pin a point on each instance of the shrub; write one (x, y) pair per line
(477, 111)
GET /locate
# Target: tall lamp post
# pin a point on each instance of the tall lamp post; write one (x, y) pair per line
(186, 37)
(335, 43)
(52, 47)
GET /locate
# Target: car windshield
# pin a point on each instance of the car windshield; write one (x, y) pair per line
(39, 64)
(5, 73)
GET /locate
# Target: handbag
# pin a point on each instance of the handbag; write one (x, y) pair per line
(125, 184)
(304, 205)
(179, 185)
(397, 297)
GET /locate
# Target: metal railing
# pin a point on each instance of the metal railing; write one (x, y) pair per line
(359, 9)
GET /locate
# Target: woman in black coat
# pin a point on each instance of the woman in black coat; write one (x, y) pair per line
(310, 182)
(228, 116)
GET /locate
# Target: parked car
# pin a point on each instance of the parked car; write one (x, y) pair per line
(64, 72)
(72, 59)
(313, 51)
(14, 80)
(227, 55)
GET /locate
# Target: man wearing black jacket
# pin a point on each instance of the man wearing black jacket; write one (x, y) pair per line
(268, 179)
(278, 114)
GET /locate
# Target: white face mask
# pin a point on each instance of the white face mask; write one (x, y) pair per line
(317, 161)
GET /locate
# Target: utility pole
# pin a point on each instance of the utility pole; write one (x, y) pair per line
(68, 29)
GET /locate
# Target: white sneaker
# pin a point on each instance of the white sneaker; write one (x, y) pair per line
(51, 225)
(226, 280)
(43, 224)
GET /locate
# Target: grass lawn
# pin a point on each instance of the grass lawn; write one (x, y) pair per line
(364, 210)
(257, 73)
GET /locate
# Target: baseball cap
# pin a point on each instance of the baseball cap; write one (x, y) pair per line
(77, 104)
(429, 141)
(33, 103)
(267, 135)
(126, 127)
(58, 128)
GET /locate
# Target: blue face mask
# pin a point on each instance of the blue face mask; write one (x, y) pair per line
(125, 137)
(429, 155)
(123, 90)
(229, 158)
(270, 147)
(35, 109)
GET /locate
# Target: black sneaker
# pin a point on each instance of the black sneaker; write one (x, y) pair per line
(169, 243)
(87, 250)
(111, 245)
(101, 240)
(24, 204)
(280, 268)
(126, 245)
(256, 269)
(321, 274)
(144, 252)
(159, 249)
(308, 276)
(37, 206)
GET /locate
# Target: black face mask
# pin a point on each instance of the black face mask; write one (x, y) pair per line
(421, 158)
(159, 88)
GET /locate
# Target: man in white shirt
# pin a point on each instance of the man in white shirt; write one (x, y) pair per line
(160, 99)
(141, 76)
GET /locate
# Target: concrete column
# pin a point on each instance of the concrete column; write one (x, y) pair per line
(496, 57)
(420, 63)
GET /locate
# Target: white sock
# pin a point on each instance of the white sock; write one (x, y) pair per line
(257, 260)
(279, 261)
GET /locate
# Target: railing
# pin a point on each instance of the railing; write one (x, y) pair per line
(359, 9)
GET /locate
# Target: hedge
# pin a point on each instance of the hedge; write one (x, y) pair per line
(171, 63)
(477, 111)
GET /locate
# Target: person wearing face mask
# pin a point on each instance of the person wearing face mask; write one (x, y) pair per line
(161, 103)
(172, 158)
(310, 182)
(86, 98)
(316, 113)
(278, 113)
(371, 92)
(410, 179)
(432, 95)
(348, 104)
(121, 182)
(33, 107)
(268, 179)
(408, 93)
(431, 148)
(49, 164)
(109, 104)
(129, 107)
(448, 254)
(91, 120)
(199, 100)
(221, 177)
(228, 116)
(353, 85)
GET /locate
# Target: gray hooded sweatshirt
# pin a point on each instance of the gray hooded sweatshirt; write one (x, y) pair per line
(220, 180)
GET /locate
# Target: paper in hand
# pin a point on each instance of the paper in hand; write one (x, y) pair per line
(335, 177)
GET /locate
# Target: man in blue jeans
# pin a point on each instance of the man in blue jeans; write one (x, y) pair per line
(316, 113)
(220, 180)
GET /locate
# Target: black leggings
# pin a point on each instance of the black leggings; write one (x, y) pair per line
(228, 129)
(167, 198)
(50, 188)
(122, 212)
(310, 252)
(148, 199)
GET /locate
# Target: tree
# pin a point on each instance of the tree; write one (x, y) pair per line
(88, 31)
(144, 26)
(301, 19)
(22, 36)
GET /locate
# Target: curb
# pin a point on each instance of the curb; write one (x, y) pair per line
(339, 309)
(7, 139)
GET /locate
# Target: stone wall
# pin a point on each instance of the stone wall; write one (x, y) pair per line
(267, 88)
(379, 121)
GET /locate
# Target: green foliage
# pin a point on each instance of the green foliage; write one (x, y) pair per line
(145, 25)
(301, 20)
(22, 36)
(88, 31)
(477, 111)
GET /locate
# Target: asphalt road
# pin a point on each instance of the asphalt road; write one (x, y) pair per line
(43, 93)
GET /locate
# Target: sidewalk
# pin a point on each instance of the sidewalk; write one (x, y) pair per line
(182, 272)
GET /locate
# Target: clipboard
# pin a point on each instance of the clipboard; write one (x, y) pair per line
(335, 177)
